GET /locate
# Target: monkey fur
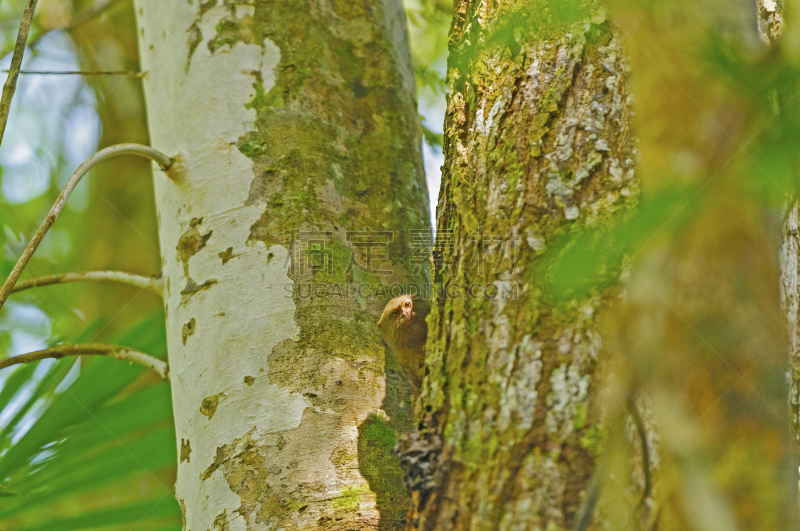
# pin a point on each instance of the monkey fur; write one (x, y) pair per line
(404, 328)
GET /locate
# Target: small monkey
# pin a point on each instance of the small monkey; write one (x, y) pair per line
(405, 330)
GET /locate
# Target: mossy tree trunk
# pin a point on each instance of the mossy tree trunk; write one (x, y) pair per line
(299, 190)
(537, 147)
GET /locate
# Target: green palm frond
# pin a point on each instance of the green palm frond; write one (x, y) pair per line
(88, 443)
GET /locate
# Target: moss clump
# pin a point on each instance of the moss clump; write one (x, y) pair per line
(472, 450)
(594, 439)
(295, 505)
(263, 100)
(378, 433)
(380, 467)
(350, 497)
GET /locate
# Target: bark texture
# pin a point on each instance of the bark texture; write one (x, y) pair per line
(770, 19)
(296, 128)
(790, 302)
(537, 146)
(770, 28)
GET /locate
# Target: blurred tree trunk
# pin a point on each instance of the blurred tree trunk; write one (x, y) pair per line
(770, 29)
(537, 146)
(790, 301)
(298, 140)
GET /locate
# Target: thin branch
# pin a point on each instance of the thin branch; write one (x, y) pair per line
(16, 62)
(583, 519)
(594, 492)
(91, 349)
(655, 525)
(641, 430)
(83, 169)
(82, 73)
(152, 283)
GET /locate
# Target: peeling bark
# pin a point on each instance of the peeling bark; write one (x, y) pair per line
(298, 130)
(537, 145)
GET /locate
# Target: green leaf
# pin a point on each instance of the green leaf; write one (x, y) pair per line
(156, 508)
(587, 259)
(433, 139)
(93, 436)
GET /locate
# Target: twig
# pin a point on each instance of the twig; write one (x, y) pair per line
(82, 73)
(16, 62)
(583, 519)
(597, 483)
(654, 526)
(152, 283)
(636, 415)
(112, 151)
(95, 349)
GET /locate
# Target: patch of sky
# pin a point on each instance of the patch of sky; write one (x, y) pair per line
(28, 326)
(432, 106)
(53, 125)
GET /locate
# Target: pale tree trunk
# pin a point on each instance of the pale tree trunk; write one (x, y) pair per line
(537, 142)
(770, 28)
(296, 128)
(790, 302)
(770, 16)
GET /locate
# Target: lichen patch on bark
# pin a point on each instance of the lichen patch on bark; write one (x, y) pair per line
(269, 492)
(192, 241)
(226, 255)
(209, 405)
(186, 451)
(188, 329)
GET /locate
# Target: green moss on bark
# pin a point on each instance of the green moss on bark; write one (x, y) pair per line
(537, 151)
(335, 147)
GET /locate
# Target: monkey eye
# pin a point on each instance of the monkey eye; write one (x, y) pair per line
(395, 312)
(408, 304)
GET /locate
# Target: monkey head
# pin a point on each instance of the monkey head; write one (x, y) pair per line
(403, 322)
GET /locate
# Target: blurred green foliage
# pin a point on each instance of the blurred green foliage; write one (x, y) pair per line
(88, 442)
(698, 331)
(83, 444)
